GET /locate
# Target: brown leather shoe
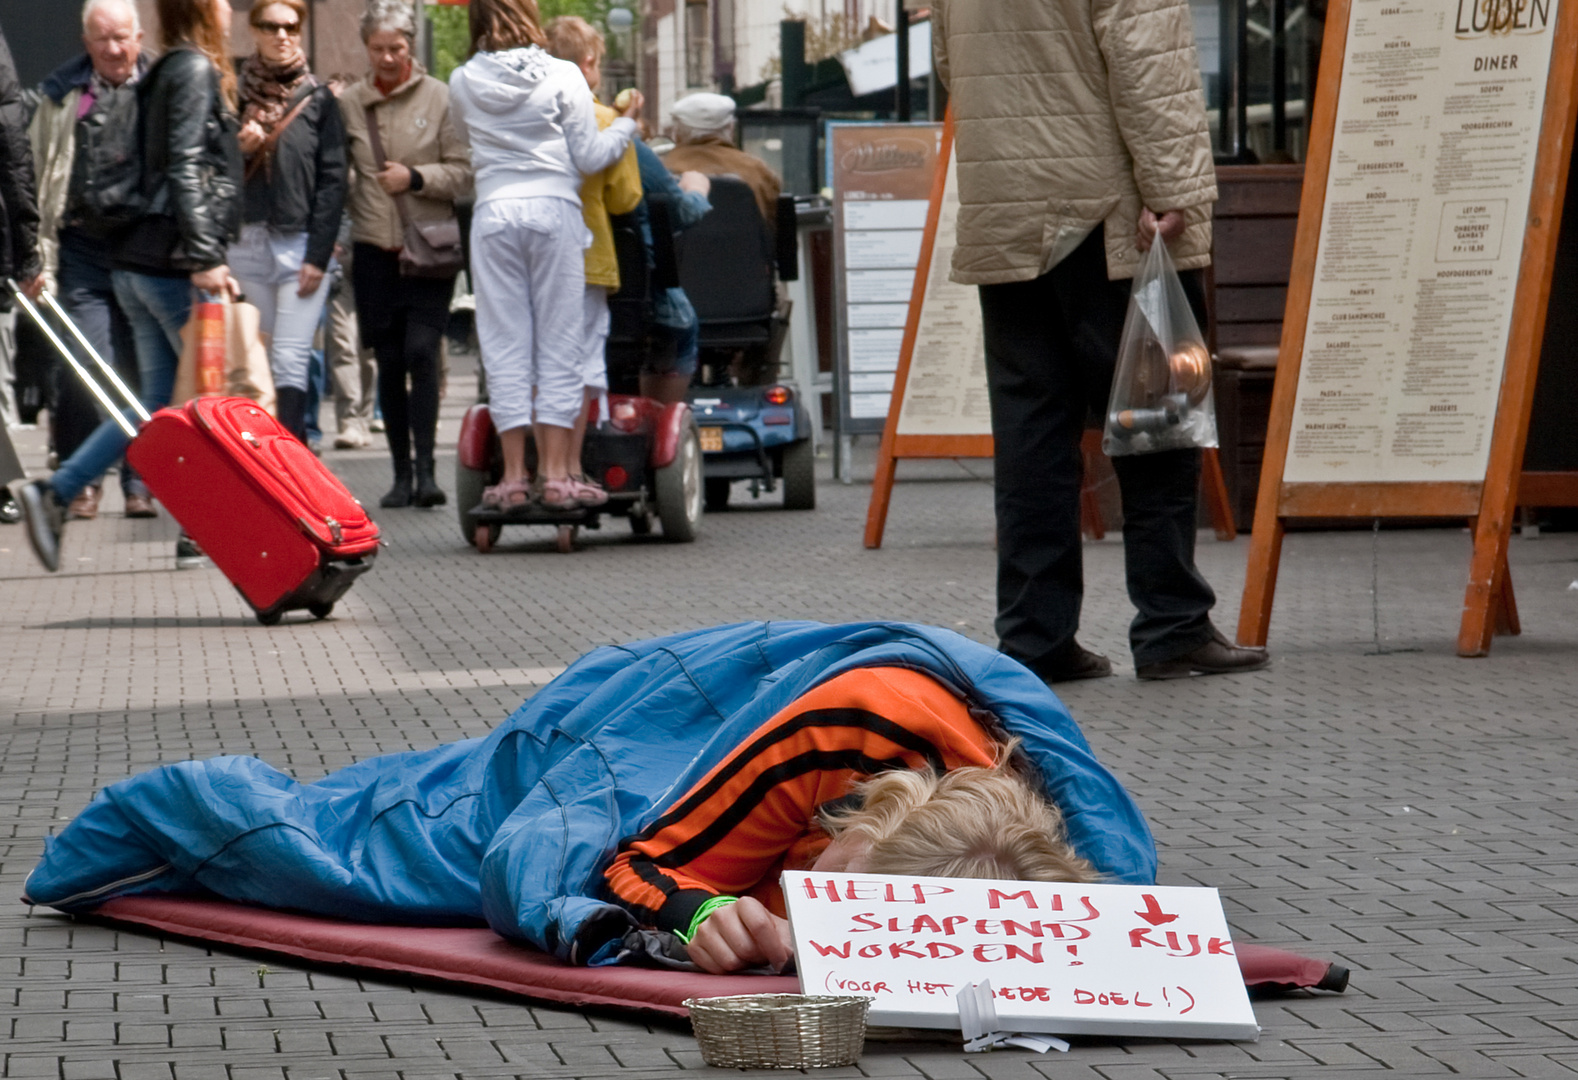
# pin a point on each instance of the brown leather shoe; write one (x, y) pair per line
(85, 507)
(141, 506)
(1074, 662)
(1216, 657)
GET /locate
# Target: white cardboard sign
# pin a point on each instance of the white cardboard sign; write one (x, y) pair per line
(1062, 958)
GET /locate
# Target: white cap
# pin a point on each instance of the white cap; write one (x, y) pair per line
(704, 111)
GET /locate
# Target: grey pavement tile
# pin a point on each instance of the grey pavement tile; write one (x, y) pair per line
(1408, 813)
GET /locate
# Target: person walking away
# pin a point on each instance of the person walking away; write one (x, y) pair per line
(190, 184)
(1081, 140)
(533, 132)
(615, 190)
(294, 140)
(19, 258)
(425, 163)
(85, 124)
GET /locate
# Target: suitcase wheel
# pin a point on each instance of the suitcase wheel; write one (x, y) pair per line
(269, 618)
(320, 611)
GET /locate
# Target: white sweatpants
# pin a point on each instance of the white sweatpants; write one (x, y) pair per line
(595, 337)
(529, 275)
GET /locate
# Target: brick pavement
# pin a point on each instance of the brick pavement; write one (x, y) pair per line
(1409, 813)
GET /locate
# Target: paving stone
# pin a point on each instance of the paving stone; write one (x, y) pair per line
(1409, 813)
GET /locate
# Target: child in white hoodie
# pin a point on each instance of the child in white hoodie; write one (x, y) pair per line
(533, 134)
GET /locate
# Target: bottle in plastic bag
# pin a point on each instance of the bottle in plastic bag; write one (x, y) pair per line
(1161, 388)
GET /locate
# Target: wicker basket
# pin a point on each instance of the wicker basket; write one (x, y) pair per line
(779, 1031)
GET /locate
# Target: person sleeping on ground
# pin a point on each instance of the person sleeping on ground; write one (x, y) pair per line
(662, 785)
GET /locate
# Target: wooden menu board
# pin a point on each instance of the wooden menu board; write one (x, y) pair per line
(940, 393)
(1427, 232)
(880, 175)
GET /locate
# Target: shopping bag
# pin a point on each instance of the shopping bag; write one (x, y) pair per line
(224, 352)
(1161, 389)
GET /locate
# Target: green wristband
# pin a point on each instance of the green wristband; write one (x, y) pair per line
(702, 912)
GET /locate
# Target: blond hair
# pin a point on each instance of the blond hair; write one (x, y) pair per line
(572, 38)
(970, 822)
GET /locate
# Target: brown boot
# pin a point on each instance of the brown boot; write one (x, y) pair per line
(85, 507)
(140, 506)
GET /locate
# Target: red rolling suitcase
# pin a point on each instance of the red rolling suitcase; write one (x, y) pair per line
(275, 521)
(273, 518)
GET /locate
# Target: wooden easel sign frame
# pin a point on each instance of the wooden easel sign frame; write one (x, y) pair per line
(1417, 304)
(947, 356)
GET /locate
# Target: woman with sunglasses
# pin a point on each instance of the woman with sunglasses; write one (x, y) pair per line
(294, 140)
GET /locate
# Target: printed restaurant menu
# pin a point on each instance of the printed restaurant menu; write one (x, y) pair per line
(945, 393)
(1432, 162)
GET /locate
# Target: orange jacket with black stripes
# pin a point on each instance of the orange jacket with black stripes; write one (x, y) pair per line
(754, 815)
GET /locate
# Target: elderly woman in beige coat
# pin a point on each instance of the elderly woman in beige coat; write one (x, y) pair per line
(426, 165)
(1080, 134)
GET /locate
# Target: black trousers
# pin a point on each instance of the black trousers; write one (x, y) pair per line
(402, 320)
(1051, 346)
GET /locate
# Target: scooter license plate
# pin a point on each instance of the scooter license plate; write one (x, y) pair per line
(712, 440)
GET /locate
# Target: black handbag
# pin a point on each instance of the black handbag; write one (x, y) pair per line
(429, 249)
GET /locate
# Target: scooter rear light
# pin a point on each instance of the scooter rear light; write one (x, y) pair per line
(778, 395)
(615, 478)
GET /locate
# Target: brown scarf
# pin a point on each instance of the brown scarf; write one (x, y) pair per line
(267, 88)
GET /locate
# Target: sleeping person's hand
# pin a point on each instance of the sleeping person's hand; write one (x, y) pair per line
(742, 935)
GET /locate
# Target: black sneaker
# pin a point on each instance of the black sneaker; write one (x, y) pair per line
(188, 555)
(10, 510)
(44, 518)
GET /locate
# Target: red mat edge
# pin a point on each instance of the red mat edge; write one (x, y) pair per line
(305, 937)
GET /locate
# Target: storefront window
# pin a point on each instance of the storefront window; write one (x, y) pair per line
(1257, 62)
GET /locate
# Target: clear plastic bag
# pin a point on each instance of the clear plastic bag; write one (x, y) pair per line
(1161, 389)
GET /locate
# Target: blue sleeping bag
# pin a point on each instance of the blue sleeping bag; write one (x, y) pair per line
(517, 827)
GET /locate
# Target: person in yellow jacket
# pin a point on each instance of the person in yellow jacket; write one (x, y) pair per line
(615, 190)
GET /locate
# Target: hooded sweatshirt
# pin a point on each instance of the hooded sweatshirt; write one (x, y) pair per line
(531, 125)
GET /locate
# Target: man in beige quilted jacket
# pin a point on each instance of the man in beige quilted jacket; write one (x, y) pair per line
(1080, 136)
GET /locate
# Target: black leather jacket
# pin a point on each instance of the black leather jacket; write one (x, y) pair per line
(191, 170)
(18, 197)
(302, 187)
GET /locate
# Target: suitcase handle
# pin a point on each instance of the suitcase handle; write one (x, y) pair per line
(76, 365)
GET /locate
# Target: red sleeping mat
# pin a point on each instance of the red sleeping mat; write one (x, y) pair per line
(472, 955)
(477, 956)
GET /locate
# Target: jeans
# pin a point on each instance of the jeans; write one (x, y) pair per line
(1051, 346)
(157, 308)
(267, 267)
(88, 295)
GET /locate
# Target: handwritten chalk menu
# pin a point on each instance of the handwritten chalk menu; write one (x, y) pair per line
(882, 176)
(1432, 161)
(1065, 959)
(945, 392)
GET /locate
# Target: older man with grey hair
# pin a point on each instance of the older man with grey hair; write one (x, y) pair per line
(82, 132)
(703, 132)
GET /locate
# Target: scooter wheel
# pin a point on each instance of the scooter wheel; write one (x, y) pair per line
(486, 536)
(566, 538)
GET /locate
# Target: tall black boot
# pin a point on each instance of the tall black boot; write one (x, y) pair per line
(291, 406)
(428, 493)
(400, 494)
